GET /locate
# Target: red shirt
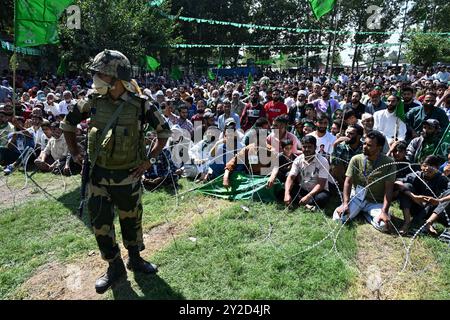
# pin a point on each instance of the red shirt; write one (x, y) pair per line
(275, 109)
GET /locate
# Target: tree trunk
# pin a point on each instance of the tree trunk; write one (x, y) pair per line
(355, 56)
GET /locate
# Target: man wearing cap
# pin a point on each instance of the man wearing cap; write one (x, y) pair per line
(416, 117)
(66, 104)
(297, 112)
(421, 147)
(51, 108)
(375, 103)
(116, 149)
(237, 106)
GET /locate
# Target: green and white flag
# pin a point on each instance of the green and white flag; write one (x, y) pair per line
(443, 147)
(321, 7)
(36, 21)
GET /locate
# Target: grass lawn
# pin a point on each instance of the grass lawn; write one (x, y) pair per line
(227, 253)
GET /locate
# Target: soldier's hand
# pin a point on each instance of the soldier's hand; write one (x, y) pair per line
(139, 171)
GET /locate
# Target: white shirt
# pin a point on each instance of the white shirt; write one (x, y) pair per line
(53, 109)
(57, 148)
(309, 173)
(64, 106)
(37, 134)
(327, 140)
(289, 102)
(388, 123)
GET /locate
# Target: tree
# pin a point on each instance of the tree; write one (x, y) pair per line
(7, 17)
(129, 26)
(431, 14)
(425, 49)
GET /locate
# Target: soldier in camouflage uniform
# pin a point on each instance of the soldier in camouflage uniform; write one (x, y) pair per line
(117, 158)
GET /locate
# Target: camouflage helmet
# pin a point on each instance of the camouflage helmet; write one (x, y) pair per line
(112, 63)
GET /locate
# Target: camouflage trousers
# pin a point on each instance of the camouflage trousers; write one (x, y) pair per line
(109, 190)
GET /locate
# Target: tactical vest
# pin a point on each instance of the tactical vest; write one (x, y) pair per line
(123, 147)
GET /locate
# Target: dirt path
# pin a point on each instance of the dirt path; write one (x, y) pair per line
(380, 261)
(57, 281)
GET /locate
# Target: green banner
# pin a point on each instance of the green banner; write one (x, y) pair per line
(242, 187)
(292, 30)
(36, 21)
(188, 46)
(442, 149)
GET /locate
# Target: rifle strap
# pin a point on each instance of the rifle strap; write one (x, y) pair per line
(104, 133)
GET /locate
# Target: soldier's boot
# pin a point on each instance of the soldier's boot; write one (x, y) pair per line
(116, 270)
(137, 264)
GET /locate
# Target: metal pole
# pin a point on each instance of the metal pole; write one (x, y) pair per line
(334, 38)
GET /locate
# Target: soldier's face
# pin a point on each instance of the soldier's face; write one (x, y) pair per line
(104, 77)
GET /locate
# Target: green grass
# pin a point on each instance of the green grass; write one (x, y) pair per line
(45, 230)
(267, 253)
(256, 255)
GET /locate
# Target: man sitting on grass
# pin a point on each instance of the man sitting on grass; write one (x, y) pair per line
(416, 187)
(369, 184)
(308, 178)
(54, 157)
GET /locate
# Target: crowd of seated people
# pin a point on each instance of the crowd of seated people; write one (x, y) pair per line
(371, 141)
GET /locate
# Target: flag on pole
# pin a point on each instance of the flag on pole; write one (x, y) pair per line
(152, 63)
(400, 110)
(321, 7)
(211, 75)
(176, 74)
(36, 21)
(249, 83)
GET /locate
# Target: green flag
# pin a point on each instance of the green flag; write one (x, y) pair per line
(36, 21)
(400, 110)
(152, 63)
(321, 7)
(211, 75)
(442, 149)
(249, 83)
(176, 74)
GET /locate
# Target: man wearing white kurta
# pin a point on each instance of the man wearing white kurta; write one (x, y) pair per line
(388, 123)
